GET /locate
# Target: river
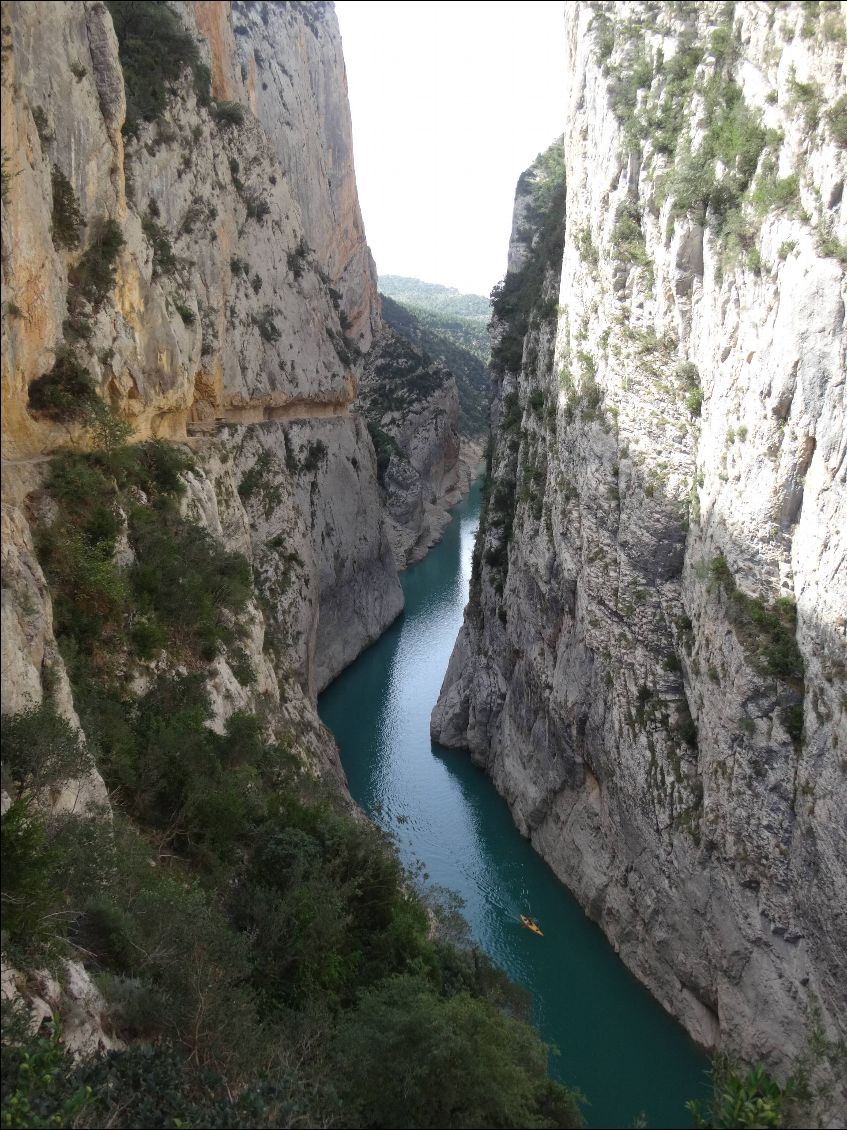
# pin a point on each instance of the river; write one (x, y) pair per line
(616, 1044)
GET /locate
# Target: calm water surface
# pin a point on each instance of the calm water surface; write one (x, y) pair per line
(617, 1045)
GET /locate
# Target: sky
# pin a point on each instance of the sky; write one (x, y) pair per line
(450, 103)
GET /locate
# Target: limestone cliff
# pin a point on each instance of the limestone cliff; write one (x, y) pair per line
(652, 663)
(412, 407)
(192, 264)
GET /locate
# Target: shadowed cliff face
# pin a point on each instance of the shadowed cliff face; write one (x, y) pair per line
(652, 665)
(411, 404)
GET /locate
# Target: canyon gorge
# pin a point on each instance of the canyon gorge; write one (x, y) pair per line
(219, 456)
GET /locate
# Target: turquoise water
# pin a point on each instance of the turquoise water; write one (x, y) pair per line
(617, 1045)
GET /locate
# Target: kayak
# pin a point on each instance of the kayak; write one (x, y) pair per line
(530, 925)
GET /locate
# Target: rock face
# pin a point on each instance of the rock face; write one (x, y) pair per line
(652, 664)
(241, 291)
(412, 407)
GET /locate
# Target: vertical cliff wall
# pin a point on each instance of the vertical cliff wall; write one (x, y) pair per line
(183, 254)
(652, 664)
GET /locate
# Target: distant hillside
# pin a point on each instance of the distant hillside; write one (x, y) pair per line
(451, 341)
(432, 296)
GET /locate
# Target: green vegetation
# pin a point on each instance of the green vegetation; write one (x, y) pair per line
(186, 313)
(229, 113)
(260, 482)
(5, 175)
(257, 206)
(93, 278)
(837, 119)
(399, 377)
(519, 295)
(155, 49)
(627, 236)
(767, 632)
(806, 97)
(742, 1100)
(164, 259)
(689, 377)
(67, 392)
(585, 245)
(264, 322)
(261, 945)
(42, 125)
(182, 589)
(385, 446)
(443, 300)
(298, 258)
(450, 341)
(831, 247)
(67, 218)
(734, 165)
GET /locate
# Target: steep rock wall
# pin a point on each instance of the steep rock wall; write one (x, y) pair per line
(224, 302)
(652, 665)
(412, 407)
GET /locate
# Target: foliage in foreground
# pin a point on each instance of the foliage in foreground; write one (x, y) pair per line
(260, 948)
(265, 975)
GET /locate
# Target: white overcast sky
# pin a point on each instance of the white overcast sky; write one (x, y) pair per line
(450, 103)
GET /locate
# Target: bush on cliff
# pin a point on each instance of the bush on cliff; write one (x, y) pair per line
(243, 925)
(154, 50)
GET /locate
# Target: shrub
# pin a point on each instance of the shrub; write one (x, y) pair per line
(92, 596)
(184, 580)
(315, 456)
(42, 125)
(585, 245)
(455, 1062)
(186, 313)
(807, 98)
(767, 632)
(535, 402)
(41, 749)
(627, 236)
(265, 324)
(93, 278)
(154, 51)
(776, 192)
(67, 218)
(29, 893)
(694, 401)
(257, 207)
(66, 392)
(39, 1092)
(385, 446)
(298, 258)
(202, 83)
(791, 718)
(740, 1101)
(164, 259)
(229, 113)
(837, 119)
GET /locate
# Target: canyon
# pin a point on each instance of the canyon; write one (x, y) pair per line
(218, 455)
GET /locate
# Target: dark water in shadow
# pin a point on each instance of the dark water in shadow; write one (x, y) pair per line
(617, 1044)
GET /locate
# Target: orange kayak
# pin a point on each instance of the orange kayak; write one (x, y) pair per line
(530, 925)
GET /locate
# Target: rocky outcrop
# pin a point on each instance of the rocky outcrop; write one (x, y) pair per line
(652, 664)
(411, 404)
